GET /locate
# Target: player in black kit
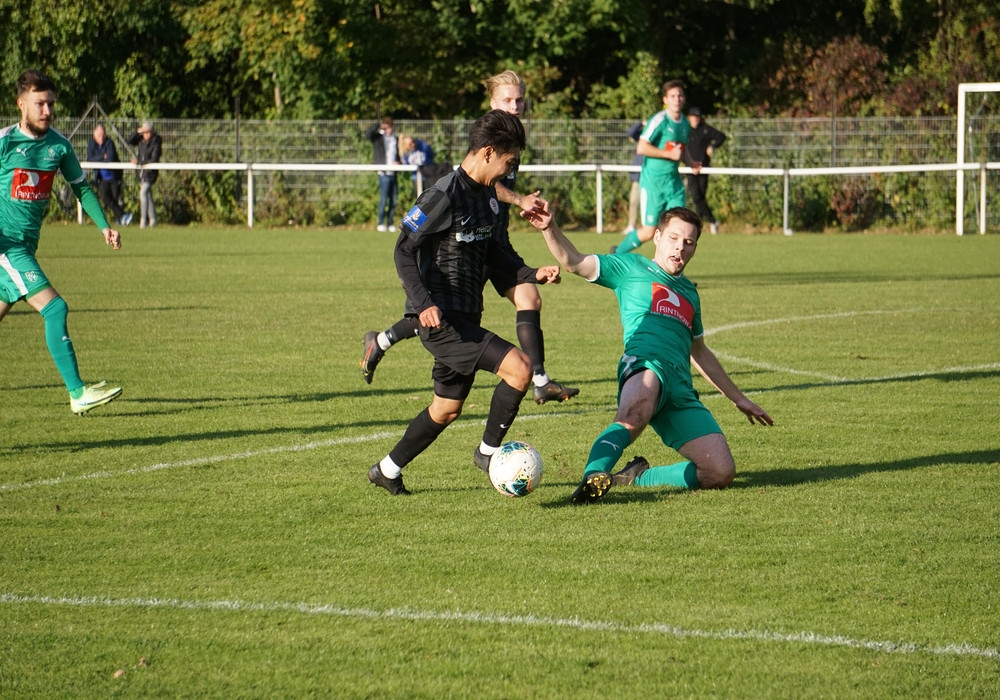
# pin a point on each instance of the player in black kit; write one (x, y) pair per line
(445, 253)
(507, 92)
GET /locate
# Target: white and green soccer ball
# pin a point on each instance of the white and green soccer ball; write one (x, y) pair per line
(516, 469)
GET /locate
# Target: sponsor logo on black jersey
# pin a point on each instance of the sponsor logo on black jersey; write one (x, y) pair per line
(481, 233)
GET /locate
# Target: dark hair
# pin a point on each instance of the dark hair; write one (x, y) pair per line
(503, 131)
(671, 84)
(34, 81)
(682, 213)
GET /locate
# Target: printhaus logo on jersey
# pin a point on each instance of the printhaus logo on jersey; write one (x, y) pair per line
(32, 185)
(666, 302)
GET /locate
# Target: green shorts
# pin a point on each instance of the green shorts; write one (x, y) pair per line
(20, 275)
(680, 416)
(655, 198)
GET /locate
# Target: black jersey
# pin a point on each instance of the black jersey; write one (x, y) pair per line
(447, 243)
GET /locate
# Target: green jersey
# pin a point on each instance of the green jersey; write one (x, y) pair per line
(661, 129)
(660, 312)
(28, 168)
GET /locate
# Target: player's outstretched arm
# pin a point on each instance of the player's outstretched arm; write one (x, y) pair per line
(562, 248)
(710, 368)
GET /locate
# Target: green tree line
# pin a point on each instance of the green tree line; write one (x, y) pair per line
(344, 59)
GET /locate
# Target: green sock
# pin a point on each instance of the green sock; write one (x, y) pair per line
(683, 475)
(607, 449)
(60, 346)
(630, 242)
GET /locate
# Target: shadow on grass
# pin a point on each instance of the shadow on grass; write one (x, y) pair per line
(793, 477)
(784, 477)
(167, 406)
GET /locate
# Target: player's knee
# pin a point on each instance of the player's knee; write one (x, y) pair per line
(444, 415)
(517, 366)
(527, 298)
(716, 475)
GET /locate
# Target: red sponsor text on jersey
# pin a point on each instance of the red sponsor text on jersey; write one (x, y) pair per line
(32, 185)
(666, 302)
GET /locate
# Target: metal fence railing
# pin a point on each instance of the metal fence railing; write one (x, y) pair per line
(752, 143)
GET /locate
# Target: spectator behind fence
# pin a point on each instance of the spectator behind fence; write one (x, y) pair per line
(416, 152)
(385, 152)
(101, 149)
(702, 143)
(150, 147)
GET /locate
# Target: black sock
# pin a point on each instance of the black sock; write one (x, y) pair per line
(421, 432)
(503, 410)
(403, 329)
(529, 335)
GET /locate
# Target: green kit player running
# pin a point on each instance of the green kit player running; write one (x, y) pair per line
(661, 315)
(30, 154)
(662, 143)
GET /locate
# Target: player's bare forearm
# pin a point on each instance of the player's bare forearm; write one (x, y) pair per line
(505, 195)
(647, 149)
(711, 369)
(562, 248)
(531, 201)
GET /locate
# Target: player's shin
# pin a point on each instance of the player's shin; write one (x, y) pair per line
(503, 409)
(607, 449)
(421, 432)
(683, 475)
(529, 336)
(59, 344)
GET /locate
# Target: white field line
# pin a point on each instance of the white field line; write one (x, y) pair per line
(814, 317)
(216, 459)
(507, 620)
(844, 380)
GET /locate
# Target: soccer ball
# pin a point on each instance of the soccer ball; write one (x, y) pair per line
(516, 469)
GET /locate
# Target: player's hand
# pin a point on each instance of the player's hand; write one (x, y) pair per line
(430, 317)
(673, 149)
(539, 218)
(753, 412)
(550, 274)
(112, 238)
(532, 202)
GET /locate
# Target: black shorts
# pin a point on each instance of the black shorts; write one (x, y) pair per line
(461, 347)
(502, 281)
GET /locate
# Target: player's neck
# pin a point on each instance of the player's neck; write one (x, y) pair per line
(477, 168)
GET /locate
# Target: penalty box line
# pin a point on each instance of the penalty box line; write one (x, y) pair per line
(886, 647)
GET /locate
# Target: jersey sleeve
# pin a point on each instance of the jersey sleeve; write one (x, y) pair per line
(431, 214)
(70, 168)
(611, 270)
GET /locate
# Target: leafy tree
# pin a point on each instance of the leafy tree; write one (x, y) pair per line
(125, 54)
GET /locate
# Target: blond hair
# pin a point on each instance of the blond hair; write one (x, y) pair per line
(508, 77)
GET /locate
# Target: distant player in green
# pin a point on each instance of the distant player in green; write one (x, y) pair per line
(661, 316)
(662, 144)
(30, 154)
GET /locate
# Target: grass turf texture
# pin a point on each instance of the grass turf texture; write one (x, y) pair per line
(217, 524)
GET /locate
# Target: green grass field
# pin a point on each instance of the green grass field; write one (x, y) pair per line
(213, 532)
